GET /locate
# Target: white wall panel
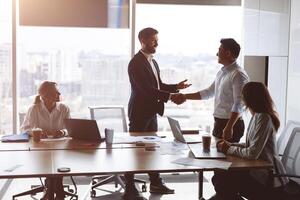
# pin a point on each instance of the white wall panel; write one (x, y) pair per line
(277, 83)
(266, 27)
(293, 97)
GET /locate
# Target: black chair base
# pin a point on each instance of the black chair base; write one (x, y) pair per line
(53, 189)
(117, 179)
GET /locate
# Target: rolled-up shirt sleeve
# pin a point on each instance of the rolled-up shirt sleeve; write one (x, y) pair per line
(238, 82)
(208, 92)
(67, 116)
(29, 121)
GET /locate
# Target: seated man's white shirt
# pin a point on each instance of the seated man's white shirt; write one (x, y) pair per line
(38, 116)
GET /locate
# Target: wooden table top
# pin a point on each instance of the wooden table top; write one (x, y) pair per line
(91, 158)
(105, 161)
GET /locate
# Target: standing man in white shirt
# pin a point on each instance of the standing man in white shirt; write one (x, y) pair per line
(227, 90)
(148, 95)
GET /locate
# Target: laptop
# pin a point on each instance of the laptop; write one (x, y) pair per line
(197, 151)
(83, 129)
(177, 133)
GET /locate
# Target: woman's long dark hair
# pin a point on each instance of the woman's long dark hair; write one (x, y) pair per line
(257, 97)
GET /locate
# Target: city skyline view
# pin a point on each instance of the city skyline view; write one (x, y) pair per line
(90, 64)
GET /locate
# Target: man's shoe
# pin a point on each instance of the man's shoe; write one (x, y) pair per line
(160, 188)
(218, 197)
(215, 197)
(131, 193)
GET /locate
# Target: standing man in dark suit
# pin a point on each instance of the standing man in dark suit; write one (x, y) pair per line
(148, 95)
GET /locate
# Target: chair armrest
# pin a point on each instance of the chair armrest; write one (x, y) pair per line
(286, 175)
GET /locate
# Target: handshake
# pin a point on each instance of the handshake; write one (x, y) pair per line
(178, 98)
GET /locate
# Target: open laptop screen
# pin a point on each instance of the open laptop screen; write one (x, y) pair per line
(177, 133)
(83, 129)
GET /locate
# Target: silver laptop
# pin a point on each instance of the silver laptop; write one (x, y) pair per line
(83, 129)
(198, 152)
(177, 133)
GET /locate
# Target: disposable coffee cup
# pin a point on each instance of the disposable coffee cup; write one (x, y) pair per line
(109, 135)
(36, 134)
(206, 141)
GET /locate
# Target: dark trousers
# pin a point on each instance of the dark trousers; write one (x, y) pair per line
(229, 184)
(54, 186)
(238, 129)
(142, 125)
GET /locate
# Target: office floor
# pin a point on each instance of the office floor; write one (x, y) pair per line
(185, 185)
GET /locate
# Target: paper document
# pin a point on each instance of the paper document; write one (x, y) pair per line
(172, 148)
(23, 137)
(54, 139)
(10, 168)
(135, 139)
(204, 164)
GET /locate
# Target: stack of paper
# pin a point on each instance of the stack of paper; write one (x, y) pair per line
(23, 137)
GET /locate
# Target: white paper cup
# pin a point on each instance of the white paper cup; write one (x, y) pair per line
(109, 135)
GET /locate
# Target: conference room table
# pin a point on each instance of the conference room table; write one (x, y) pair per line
(84, 158)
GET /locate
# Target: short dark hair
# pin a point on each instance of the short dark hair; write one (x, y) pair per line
(147, 33)
(231, 45)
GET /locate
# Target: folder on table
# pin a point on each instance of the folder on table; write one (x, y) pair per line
(23, 137)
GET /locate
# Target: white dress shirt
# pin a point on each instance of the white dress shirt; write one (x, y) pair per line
(227, 89)
(150, 60)
(261, 144)
(38, 116)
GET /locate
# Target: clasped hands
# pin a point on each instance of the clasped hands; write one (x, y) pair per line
(223, 146)
(55, 133)
(52, 134)
(179, 98)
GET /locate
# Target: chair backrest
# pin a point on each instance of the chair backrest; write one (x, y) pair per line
(285, 135)
(291, 155)
(108, 116)
(21, 118)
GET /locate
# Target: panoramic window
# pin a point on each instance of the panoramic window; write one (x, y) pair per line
(6, 67)
(89, 65)
(187, 47)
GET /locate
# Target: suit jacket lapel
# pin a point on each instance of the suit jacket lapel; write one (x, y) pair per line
(149, 68)
(157, 69)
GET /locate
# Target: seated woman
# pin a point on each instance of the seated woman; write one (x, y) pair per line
(260, 144)
(47, 113)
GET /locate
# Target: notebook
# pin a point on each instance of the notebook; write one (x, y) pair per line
(83, 129)
(177, 133)
(198, 152)
(23, 137)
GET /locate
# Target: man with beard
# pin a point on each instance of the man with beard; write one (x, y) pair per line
(227, 93)
(148, 95)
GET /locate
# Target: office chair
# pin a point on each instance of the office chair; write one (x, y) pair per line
(42, 188)
(285, 135)
(21, 118)
(110, 119)
(291, 162)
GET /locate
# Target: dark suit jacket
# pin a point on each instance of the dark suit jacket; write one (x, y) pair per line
(146, 100)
